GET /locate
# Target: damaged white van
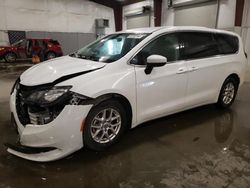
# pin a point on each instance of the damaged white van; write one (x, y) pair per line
(92, 96)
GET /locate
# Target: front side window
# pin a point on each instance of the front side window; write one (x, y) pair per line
(166, 45)
(110, 48)
(197, 45)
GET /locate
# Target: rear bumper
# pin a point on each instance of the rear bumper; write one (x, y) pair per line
(63, 134)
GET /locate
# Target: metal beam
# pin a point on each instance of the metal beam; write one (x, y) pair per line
(118, 18)
(107, 3)
(239, 12)
(157, 12)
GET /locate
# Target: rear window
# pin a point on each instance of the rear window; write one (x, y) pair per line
(227, 44)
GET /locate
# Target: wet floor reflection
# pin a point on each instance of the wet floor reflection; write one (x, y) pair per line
(200, 147)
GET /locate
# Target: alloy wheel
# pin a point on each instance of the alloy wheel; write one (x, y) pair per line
(228, 93)
(105, 125)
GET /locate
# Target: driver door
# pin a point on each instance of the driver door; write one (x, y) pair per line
(163, 91)
(21, 49)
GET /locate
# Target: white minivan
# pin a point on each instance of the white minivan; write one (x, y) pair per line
(92, 96)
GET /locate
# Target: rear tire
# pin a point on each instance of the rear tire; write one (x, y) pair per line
(228, 93)
(104, 125)
(10, 57)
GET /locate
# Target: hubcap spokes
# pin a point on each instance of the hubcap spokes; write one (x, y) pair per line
(105, 125)
(10, 58)
(228, 93)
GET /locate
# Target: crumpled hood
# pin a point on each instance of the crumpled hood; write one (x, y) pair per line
(52, 70)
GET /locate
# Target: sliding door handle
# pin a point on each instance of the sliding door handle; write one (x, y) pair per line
(194, 69)
(182, 70)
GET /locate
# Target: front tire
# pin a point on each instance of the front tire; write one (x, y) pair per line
(228, 93)
(10, 57)
(104, 125)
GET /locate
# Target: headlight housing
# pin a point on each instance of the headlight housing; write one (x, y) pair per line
(49, 96)
(15, 85)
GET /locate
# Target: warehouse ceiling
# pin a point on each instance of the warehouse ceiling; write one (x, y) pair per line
(127, 2)
(115, 3)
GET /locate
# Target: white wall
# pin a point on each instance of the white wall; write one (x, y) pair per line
(167, 18)
(197, 15)
(52, 16)
(225, 20)
(135, 6)
(226, 17)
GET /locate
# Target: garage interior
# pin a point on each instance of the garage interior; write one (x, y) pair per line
(202, 147)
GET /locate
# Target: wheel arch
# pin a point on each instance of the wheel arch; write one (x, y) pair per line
(11, 52)
(235, 76)
(120, 98)
(231, 75)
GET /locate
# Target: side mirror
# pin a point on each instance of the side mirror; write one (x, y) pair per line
(155, 61)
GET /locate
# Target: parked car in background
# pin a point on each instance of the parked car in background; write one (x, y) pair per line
(92, 96)
(27, 47)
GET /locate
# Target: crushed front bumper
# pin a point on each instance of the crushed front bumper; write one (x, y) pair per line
(63, 134)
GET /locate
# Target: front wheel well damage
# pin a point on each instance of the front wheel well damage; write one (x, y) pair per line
(121, 99)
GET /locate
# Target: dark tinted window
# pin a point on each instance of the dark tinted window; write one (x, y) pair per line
(166, 45)
(227, 44)
(197, 45)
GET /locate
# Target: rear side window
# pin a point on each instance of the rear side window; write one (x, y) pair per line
(227, 44)
(197, 45)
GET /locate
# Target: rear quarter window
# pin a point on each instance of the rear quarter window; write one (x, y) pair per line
(227, 44)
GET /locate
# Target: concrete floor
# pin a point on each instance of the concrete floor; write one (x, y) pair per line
(203, 147)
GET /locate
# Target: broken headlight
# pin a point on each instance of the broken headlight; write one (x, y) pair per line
(15, 85)
(48, 96)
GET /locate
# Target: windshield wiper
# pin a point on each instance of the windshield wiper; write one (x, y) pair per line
(89, 57)
(74, 54)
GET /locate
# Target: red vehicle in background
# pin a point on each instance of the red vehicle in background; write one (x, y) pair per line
(27, 47)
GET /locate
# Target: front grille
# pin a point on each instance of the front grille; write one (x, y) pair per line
(40, 118)
(34, 118)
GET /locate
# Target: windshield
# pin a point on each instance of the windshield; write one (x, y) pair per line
(111, 47)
